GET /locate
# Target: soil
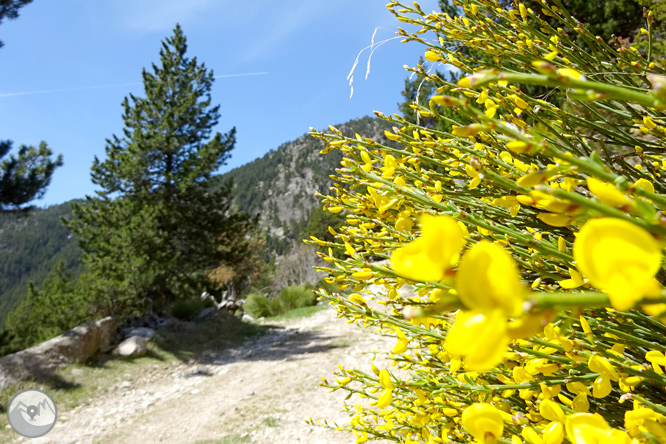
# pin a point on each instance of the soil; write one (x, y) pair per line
(259, 392)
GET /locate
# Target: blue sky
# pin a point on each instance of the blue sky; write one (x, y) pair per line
(67, 65)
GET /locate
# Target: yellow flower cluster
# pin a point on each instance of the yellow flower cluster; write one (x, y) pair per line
(530, 234)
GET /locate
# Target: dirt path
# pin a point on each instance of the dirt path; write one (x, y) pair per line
(257, 393)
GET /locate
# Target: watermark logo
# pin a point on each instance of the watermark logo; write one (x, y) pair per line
(32, 413)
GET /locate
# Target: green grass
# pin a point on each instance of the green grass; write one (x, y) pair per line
(299, 313)
(341, 342)
(271, 422)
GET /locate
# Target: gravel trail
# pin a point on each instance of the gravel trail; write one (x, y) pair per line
(259, 392)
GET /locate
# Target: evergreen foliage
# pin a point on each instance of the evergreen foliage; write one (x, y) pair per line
(156, 225)
(25, 178)
(9, 8)
(58, 306)
(603, 18)
(32, 245)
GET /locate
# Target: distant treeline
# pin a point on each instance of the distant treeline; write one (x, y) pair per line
(30, 247)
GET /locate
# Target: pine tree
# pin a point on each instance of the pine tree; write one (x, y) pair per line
(158, 223)
(25, 178)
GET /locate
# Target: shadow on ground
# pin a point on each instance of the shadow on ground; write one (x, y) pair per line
(226, 339)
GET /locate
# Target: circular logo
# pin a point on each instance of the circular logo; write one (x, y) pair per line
(32, 413)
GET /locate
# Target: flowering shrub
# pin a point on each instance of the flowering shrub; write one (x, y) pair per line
(532, 234)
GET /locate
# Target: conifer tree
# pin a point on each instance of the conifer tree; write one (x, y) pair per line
(25, 178)
(47, 311)
(157, 223)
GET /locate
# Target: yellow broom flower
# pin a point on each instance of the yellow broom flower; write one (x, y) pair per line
(619, 258)
(488, 279)
(586, 428)
(483, 422)
(607, 193)
(481, 337)
(429, 257)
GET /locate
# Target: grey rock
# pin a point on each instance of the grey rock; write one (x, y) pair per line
(144, 332)
(208, 312)
(108, 332)
(146, 404)
(132, 347)
(79, 344)
(247, 318)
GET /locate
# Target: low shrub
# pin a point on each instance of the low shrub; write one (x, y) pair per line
(257, 305)
(295, 296)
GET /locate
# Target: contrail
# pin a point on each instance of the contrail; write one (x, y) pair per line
(81, 88)
(241, 75)
(86, 88)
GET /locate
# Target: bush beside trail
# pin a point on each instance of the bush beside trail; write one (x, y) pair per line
(532, 231)
(295, 296)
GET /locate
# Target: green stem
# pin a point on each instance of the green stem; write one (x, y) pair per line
(610, 92)
(650, 42)
(524, 385)
(589, 299)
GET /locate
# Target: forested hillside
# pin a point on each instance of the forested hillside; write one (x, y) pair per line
(30, 246)
(280, 186)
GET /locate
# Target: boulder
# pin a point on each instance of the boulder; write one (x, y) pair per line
(108, 332)
(144, 332)
(76, 345)
(132, 347)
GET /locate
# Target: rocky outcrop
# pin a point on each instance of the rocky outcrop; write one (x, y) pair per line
(76, 345)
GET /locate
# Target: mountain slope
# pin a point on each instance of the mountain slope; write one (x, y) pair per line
(280, 187)
(30, 247)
